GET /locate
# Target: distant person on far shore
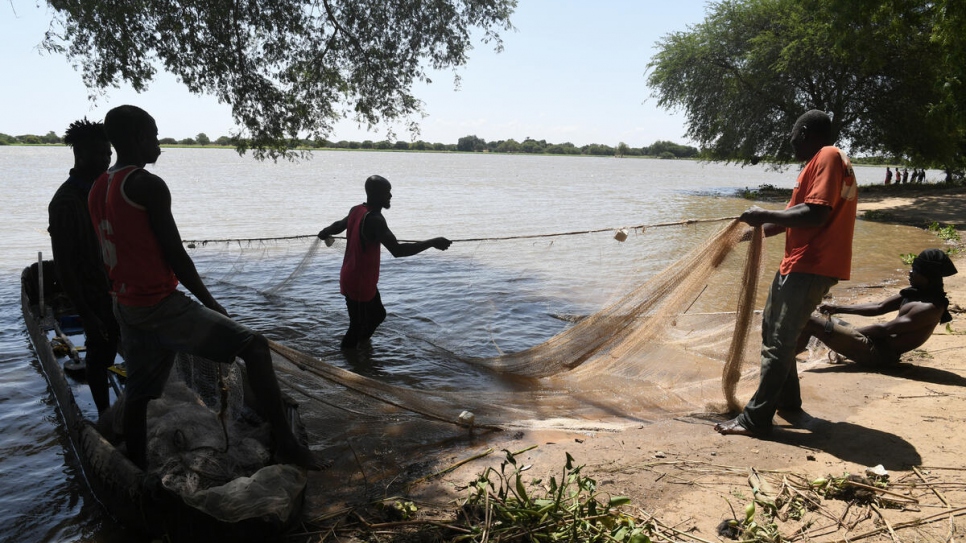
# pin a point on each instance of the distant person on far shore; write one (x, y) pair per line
(77, 254)
(888, 179)
(921, 308)
(905, 175)
(366, 230)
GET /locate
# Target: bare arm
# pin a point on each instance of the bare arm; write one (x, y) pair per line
(915, 316)
(335, 228)
(151, 192)
(375, 228)
(776, 221)
(870, 309)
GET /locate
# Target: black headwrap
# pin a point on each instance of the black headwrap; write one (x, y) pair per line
(934, 264)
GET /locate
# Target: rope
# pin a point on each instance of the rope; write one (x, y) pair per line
(470, 240)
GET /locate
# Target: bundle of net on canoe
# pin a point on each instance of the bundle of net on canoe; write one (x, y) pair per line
(643, 354)
(207, 443)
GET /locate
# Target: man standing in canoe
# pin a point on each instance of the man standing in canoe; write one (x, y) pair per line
(366, 230)
(818, 224)
(142, 249)
(77, 254)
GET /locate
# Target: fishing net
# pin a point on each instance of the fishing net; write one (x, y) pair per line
(210, 447)
(654, 350)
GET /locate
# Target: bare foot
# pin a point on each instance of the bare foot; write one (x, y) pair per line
(732, 427)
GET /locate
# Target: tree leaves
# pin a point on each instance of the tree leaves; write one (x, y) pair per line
(752, 67)
(289, 69)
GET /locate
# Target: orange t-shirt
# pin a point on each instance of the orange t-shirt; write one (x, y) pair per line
(826, 180)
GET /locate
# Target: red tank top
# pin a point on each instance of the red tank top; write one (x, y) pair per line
(360, 266)
(137, 267)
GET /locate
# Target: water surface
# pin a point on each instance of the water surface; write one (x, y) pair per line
(477, 299)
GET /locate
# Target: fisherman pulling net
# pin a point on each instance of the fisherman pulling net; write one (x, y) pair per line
(651, 339)
(655, 349)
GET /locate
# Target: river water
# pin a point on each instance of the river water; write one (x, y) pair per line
(485, 295)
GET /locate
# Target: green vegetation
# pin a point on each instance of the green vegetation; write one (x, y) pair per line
(796, 496)
(765, 193)
(662, 149)
(30, 139)
(945, 233)
(892, 75)
(501, 508)
(289, 69)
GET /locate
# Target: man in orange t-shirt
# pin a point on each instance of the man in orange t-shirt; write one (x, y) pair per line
(818, 224)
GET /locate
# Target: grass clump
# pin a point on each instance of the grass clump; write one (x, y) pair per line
(945, 233)
(500, 507)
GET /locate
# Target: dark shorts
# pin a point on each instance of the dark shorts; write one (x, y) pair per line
(364, 318)
(152, 335)
(865, 351)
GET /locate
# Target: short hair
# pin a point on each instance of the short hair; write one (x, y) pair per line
(123, 124)
(374, 182)
(83, 134)
(817, 122)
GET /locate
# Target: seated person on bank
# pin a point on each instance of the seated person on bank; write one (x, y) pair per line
(921, 307)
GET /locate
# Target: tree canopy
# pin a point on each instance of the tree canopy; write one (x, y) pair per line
(891, 75)
(289, 69)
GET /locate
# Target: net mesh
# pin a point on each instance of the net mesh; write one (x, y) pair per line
(652, 352)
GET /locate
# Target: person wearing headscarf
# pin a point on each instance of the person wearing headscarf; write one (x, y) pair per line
(921, 308)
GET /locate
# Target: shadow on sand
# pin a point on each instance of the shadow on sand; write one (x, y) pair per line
(912, 372)
(846, 441)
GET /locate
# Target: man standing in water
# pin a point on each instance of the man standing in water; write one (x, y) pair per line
(818, 223)
(77, 254)
(142, 249)
(366, 230)
(921, 308)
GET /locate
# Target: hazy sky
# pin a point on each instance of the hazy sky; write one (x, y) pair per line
(572, 71)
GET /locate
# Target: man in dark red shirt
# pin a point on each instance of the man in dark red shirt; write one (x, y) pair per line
(141, 246)
(366, 230)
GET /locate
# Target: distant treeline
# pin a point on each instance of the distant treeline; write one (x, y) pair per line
(661, 149)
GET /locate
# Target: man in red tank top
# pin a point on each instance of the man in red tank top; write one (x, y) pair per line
(366, 230)
(141, 246)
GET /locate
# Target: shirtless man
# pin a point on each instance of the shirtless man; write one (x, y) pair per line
(921, 307)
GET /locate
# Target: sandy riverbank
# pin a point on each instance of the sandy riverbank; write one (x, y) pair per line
(909, 420)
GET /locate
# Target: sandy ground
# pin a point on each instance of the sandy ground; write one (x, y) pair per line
(684, 475)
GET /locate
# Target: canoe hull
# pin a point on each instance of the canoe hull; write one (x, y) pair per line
(126, 492)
